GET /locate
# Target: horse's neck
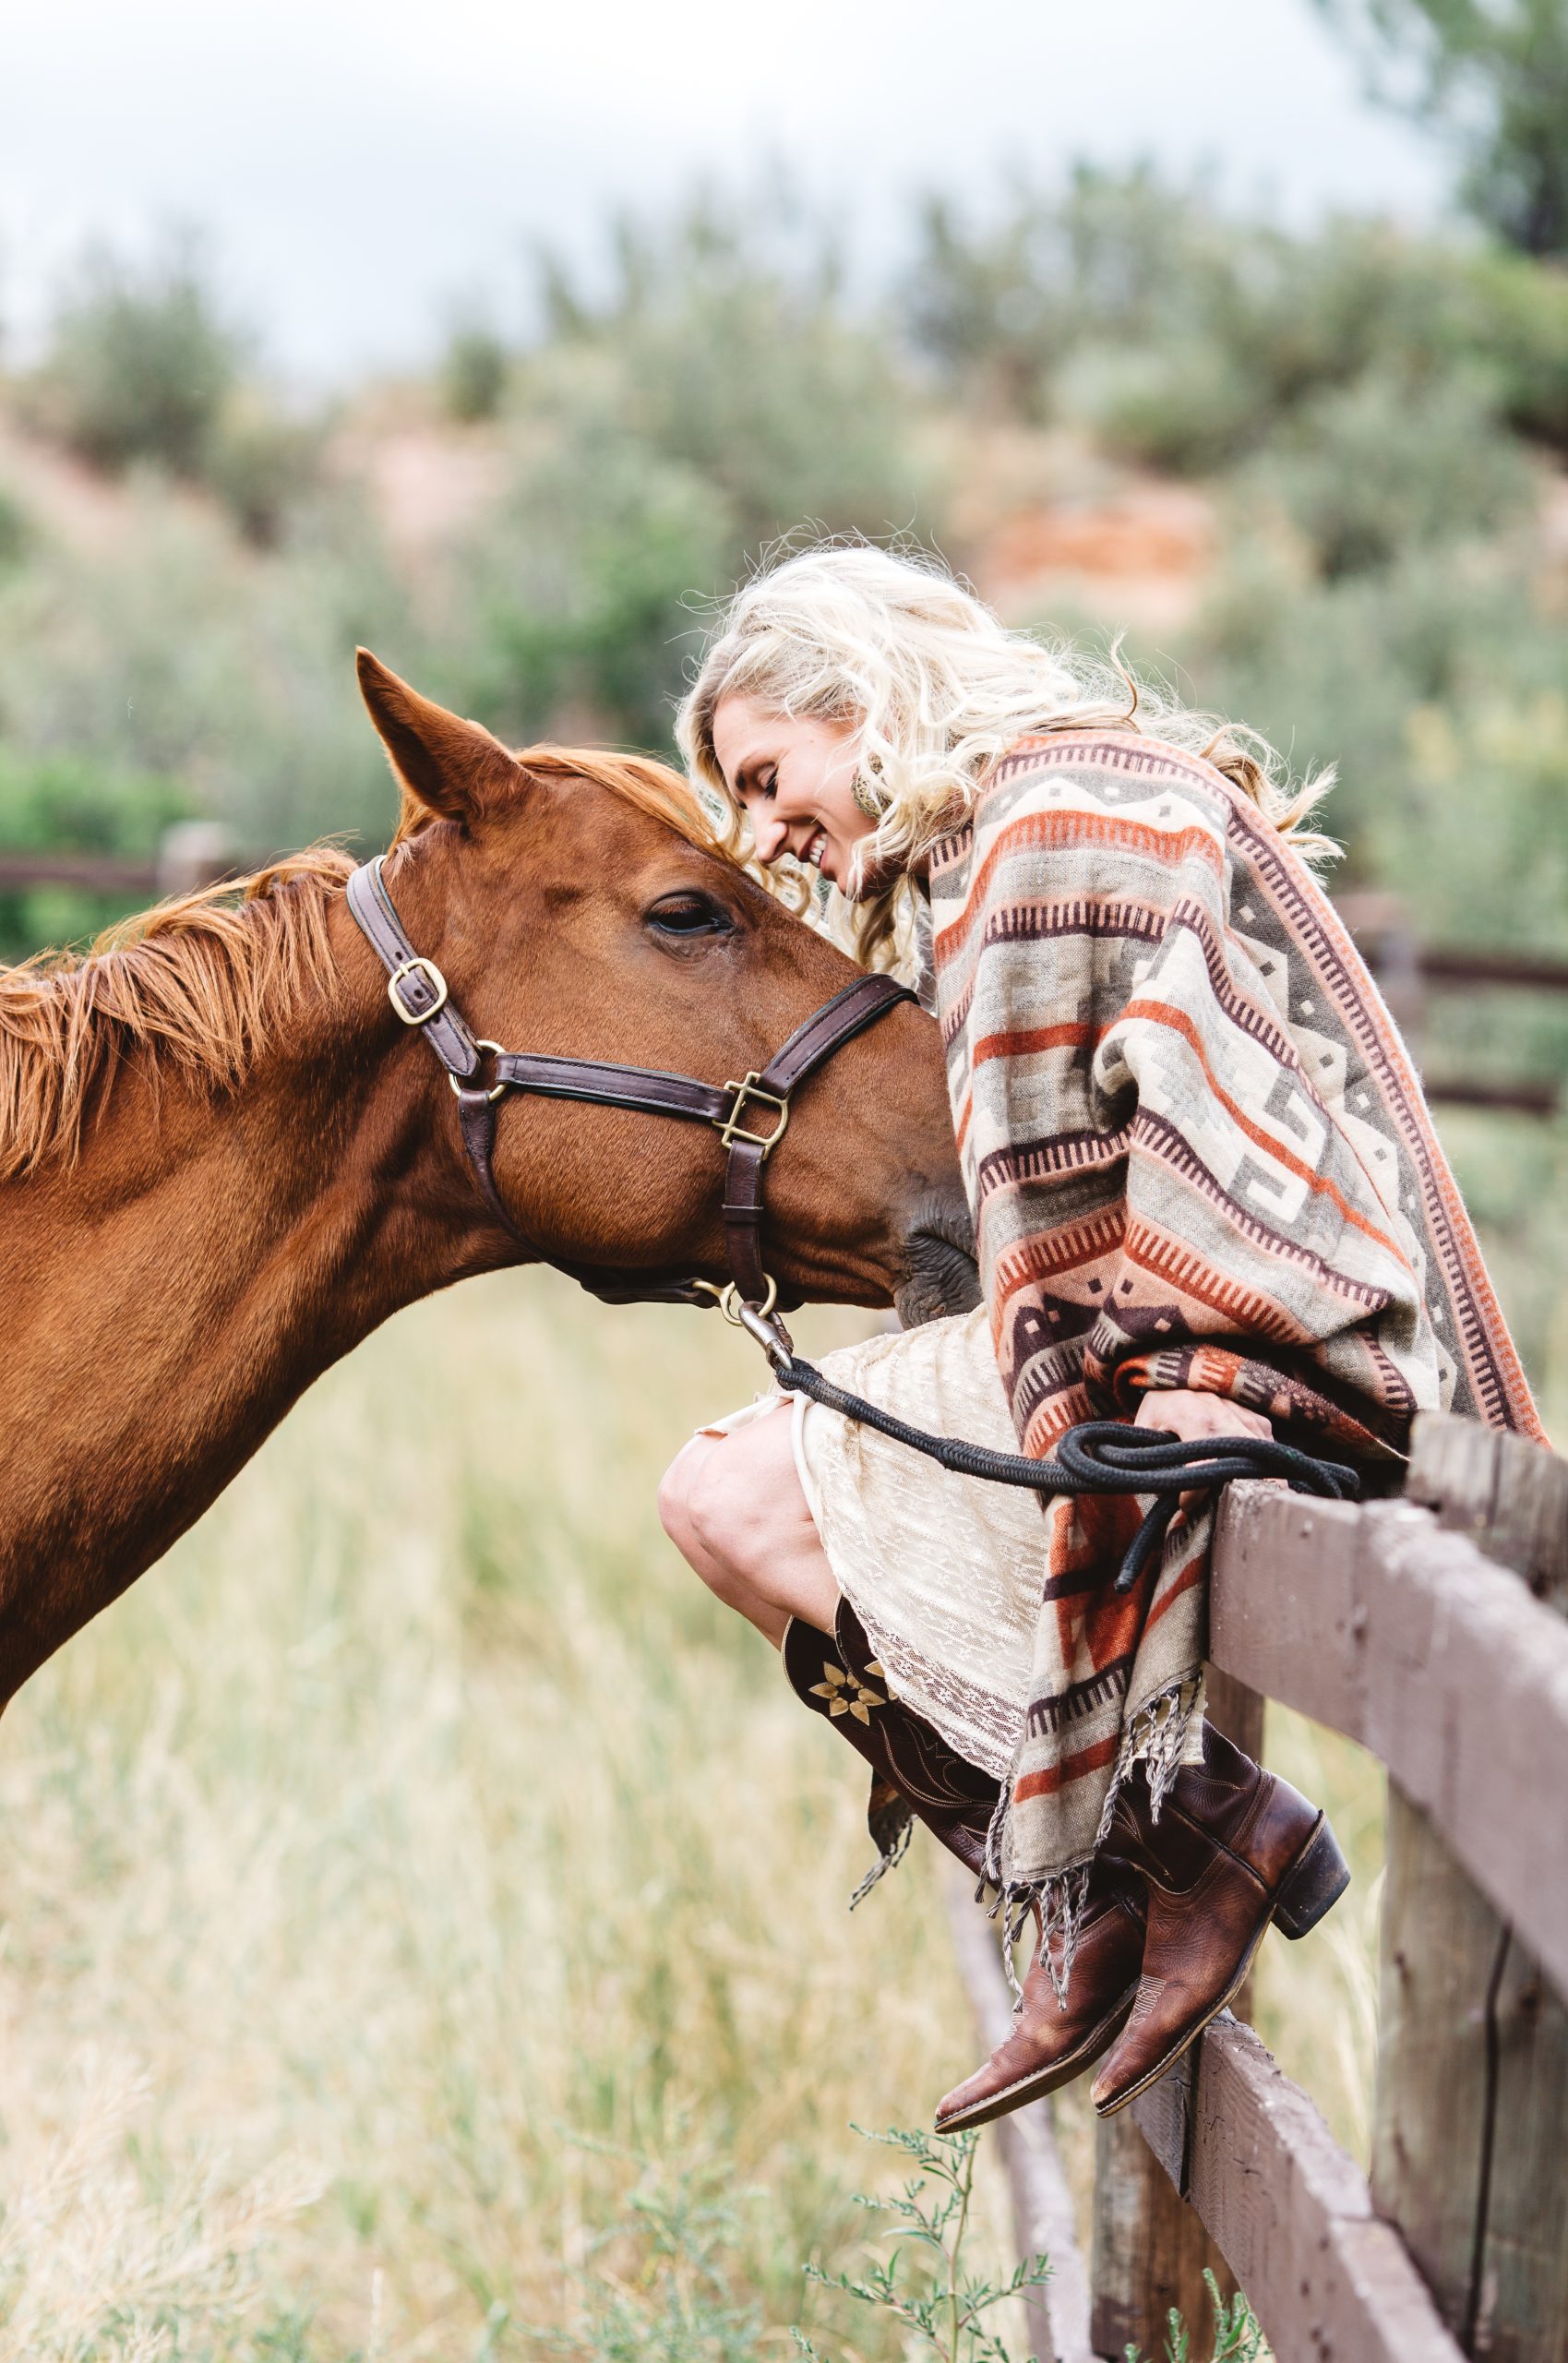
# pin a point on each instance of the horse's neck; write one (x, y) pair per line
(170, 1296)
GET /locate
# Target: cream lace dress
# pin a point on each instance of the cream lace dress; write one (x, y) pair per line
(945, 1573)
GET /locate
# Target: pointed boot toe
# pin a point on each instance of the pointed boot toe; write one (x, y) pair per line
(1050, 2043)
(1235, 1847)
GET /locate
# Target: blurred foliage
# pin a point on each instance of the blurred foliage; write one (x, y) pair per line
(14, 534)
(1373, 414)
(140, 360)
(1381, 467)
(474, 371)
(1494, 75)
(1181, 338)
(724, 345)
(144, 367)
(66, 803)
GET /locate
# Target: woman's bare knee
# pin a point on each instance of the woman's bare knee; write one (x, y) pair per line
(677, 1491)
(733, 1507)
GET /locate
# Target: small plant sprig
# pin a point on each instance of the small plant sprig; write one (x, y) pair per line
(1238, 2338)
(924, 2282)
(660, 2288)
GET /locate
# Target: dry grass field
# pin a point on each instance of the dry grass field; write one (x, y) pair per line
(417, 1876)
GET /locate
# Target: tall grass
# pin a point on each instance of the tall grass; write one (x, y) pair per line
(415, 1862)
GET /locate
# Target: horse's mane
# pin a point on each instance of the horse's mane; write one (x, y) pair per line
(204, 983)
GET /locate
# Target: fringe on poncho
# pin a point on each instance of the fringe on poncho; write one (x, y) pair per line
(1197, 1155)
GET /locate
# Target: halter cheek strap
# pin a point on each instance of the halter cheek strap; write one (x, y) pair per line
(417, 990)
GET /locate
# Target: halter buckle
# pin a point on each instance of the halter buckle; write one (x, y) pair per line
(730, 1129)
(436, 982)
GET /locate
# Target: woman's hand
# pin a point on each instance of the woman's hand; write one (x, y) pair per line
(1193, 1415)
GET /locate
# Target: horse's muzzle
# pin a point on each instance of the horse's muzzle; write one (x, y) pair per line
(939, 1273)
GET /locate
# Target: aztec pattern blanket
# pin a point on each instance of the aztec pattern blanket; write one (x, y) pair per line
(1197, 1155)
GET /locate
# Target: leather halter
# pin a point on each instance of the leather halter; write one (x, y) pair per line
(417, 990)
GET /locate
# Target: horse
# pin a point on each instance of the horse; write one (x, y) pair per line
(226, 1155)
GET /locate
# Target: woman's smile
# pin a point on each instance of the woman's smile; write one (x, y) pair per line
(794, 776)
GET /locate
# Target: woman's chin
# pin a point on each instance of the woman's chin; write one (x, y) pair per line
(866, 879)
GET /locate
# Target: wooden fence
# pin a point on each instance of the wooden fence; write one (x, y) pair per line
(191, 854)
(1434, 1631)
(1412, 973)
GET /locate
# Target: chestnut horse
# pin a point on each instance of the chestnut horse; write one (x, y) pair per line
(223, 1159)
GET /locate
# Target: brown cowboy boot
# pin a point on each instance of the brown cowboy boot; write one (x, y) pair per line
(1051, 2042)
(914, 1771)
(1234, 1848)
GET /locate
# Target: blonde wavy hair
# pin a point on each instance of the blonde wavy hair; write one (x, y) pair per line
(939, 689)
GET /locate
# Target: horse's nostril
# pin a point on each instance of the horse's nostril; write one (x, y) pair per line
(940, 1274)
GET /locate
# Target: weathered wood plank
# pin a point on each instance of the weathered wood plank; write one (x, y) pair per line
(1291, 2213)
(1042, 2205)
(1470, 2133)
(1403, 1637)
(1507, 1495)
(1521, 2286)
(1149, 2249)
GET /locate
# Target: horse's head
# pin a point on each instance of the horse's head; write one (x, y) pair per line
(583, 906)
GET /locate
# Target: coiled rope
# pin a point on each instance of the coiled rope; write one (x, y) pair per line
(1098, 1457)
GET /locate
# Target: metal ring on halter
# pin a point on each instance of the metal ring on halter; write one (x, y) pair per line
(459, 1086)
(732, 1305)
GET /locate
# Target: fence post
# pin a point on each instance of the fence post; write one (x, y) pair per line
(193, 854)
(1149, 2249)
(1470, 2128)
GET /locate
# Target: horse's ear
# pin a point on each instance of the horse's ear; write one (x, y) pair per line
(449, 767)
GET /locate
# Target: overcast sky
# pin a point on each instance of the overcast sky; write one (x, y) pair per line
(361, 163)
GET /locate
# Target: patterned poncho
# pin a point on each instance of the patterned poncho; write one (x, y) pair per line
(1197, 1155)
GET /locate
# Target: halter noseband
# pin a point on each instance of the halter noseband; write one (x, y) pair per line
(417, 990)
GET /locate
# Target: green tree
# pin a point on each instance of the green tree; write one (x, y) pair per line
(1493, 75)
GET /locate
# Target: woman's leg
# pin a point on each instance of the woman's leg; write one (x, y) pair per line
(734, 1508)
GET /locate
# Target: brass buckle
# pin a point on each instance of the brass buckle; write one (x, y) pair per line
(730, 1129)
(437, 984)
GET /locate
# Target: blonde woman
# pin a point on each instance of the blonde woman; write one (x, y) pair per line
(1206, 1197)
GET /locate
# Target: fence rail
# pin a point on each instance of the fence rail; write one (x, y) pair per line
(1434, 1631)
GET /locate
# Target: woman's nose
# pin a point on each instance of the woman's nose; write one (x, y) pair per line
(771, 836)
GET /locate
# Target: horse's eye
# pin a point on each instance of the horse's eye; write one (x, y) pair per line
(687, 914)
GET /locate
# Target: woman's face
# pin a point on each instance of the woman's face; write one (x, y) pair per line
(797, 781)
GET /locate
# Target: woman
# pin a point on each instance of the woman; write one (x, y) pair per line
(1206, 1197)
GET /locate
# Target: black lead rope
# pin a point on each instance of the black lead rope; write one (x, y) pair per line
(1100, 1456)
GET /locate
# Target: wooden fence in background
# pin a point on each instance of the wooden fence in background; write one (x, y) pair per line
(1434, 1631)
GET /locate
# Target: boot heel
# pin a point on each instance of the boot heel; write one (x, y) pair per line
(1316, 1884)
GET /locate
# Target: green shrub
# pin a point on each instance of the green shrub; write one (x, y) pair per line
(1118, 260)
(1186, 406)
(474, 373)
(576, 585)
(165, 651)
(1389, 464)
(66, 803)
(139, 363)
(1435, 684)
(15, 534)
(731, 355)
(261, 463)
(1514, 313)
(1134, 306)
